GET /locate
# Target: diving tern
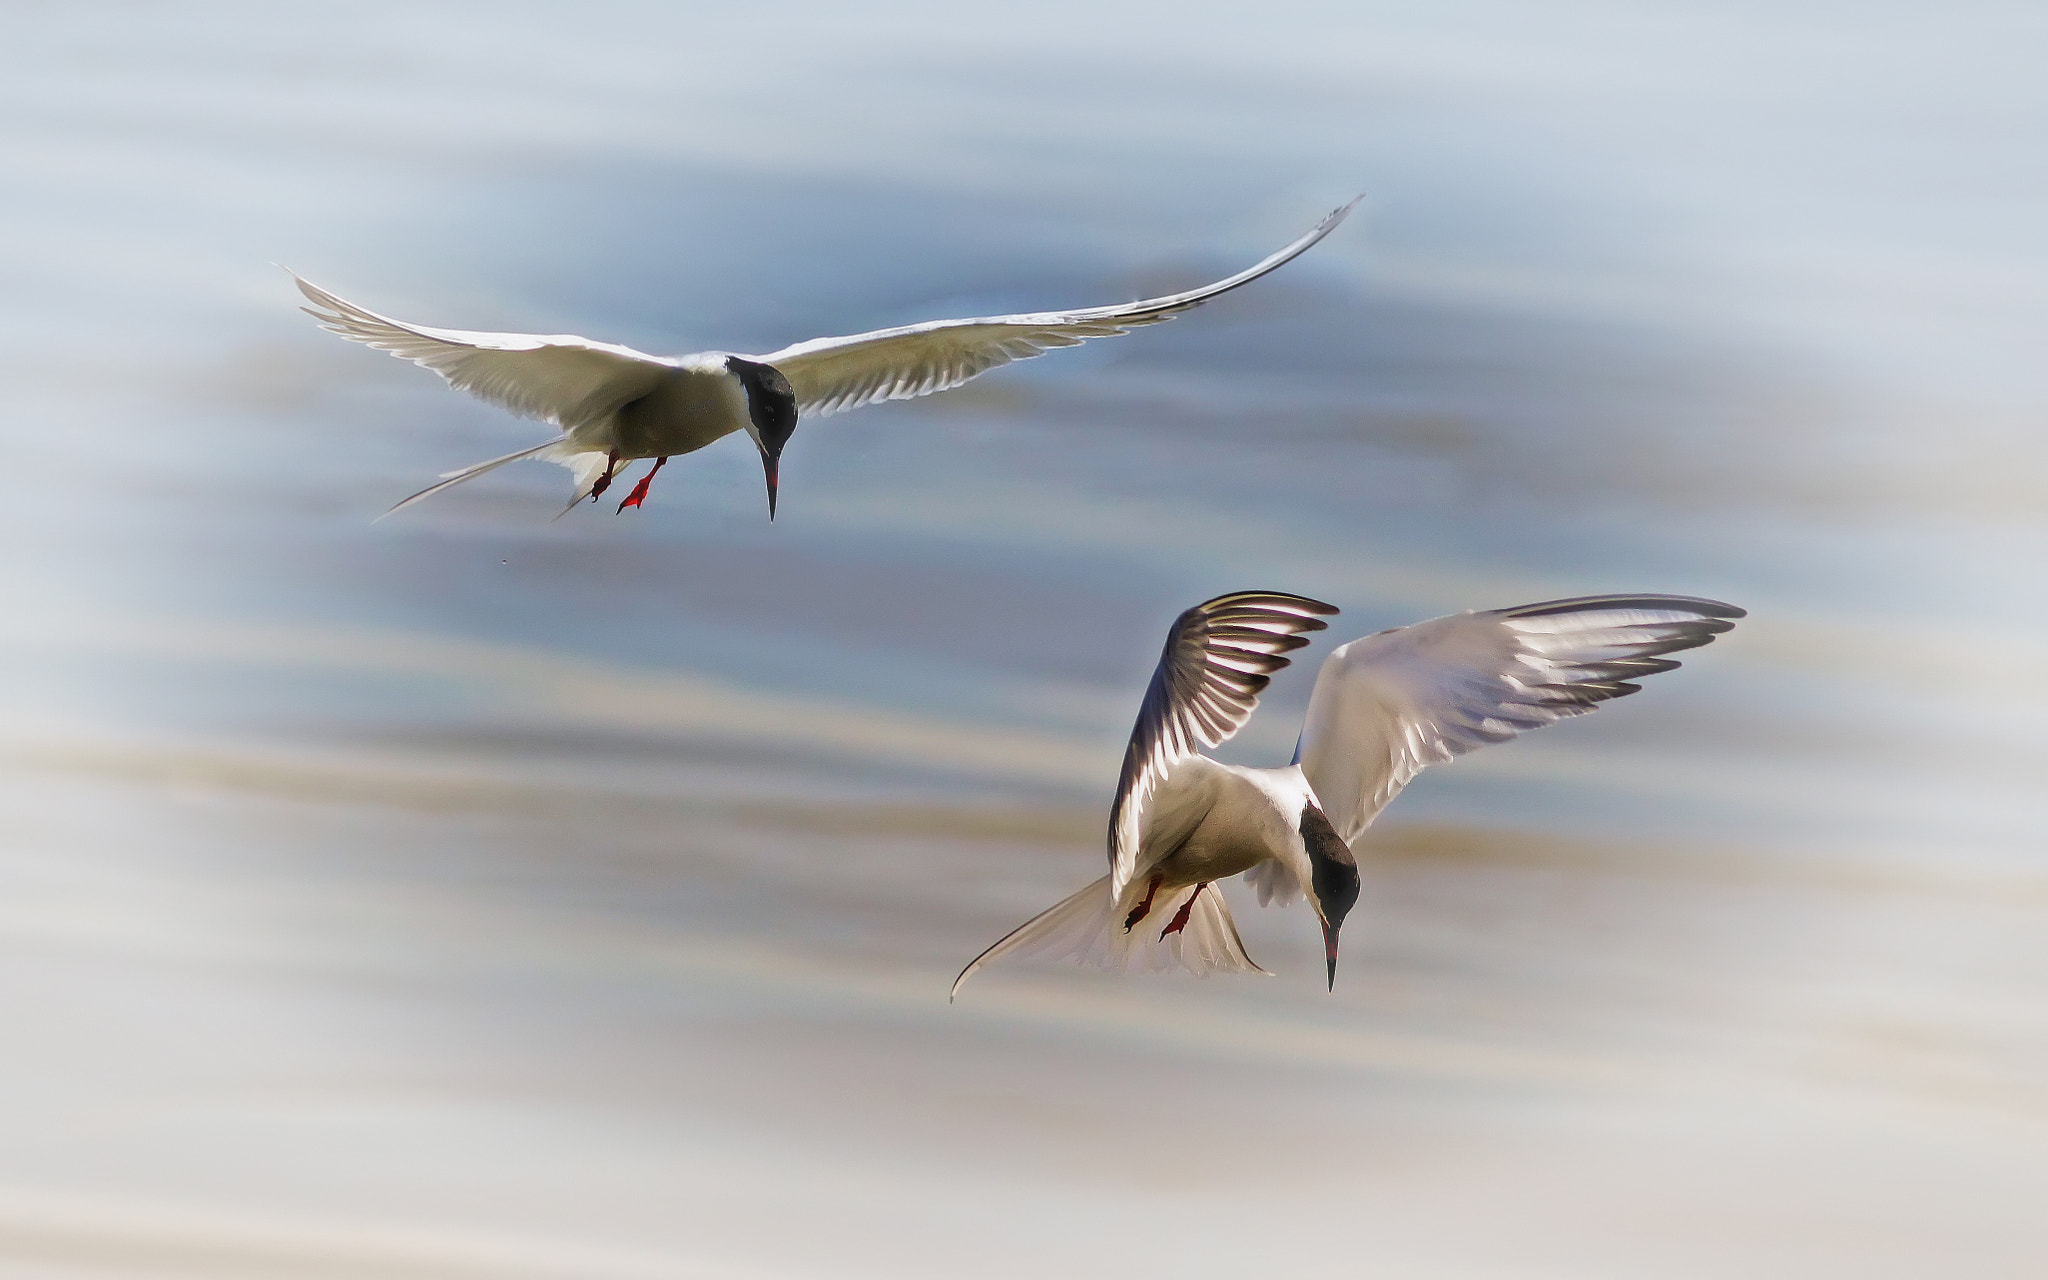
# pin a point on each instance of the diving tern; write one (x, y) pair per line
(615, 405)
(1383, 708)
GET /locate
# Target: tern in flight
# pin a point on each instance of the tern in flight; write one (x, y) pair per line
(614, 405)
(1383, 708)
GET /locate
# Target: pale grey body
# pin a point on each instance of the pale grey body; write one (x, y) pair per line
(1384, 708)
(693, 404)
(614, 404)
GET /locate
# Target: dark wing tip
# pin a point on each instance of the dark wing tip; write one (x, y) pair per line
(1684, 637)
(1342, 211)
(1581, 604)
(1626, 668)
(1237, 637)
(1270, 599)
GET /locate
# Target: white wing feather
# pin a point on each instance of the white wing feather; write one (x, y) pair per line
(558, 378)
(832, 374)
(1389, 705)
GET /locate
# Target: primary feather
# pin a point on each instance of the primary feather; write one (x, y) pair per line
(1389, 705)
(1219, 657)
(834, 374)
(558, 378)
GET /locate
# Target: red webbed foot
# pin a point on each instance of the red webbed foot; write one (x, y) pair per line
(1180, 917)
(1142, 909)
(639, 494)
(611, 469)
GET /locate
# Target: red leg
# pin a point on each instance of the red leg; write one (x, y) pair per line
(1138, 912)
(639, 493)
(611, 468)
(1180, 917)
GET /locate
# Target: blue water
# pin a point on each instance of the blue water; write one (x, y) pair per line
(1738, 300)
(1635, 303)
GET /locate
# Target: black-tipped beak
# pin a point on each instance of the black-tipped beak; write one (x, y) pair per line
(1330, 950)
(769, 463)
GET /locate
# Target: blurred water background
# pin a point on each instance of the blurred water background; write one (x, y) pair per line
(473, 895)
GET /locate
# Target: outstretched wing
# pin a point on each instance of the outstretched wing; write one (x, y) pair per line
(1388, 705)
(831, 374)
(1218, 658)
(558, 378)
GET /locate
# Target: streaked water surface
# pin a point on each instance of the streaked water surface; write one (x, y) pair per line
(474, 893)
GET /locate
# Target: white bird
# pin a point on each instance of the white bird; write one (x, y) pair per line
(1383, 708)
(614, 404)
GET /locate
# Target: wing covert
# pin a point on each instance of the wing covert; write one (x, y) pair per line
(1219, 657)
(558, 378)
(833, 374)
(1387, 706)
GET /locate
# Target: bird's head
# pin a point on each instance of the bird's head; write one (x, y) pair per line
(771, 414)
(1333, 883)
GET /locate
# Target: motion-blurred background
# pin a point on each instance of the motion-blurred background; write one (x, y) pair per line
(469, 895)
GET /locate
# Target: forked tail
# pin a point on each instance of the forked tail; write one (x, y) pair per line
(452, 478)
(1089, 928)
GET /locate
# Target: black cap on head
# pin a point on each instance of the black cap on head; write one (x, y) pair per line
(1334, 878)
(771, 413)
